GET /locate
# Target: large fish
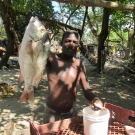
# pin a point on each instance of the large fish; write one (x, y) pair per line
(33, 53)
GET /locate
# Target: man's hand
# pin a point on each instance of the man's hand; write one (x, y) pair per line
(96, 104)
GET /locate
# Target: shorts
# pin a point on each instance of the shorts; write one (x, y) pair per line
(50, 115)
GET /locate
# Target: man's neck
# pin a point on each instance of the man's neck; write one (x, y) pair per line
(66, 58)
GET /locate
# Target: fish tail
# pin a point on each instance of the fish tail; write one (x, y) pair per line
(20, 79)
(24, 97)
(31, 99)
(27, 95)
(19, 47)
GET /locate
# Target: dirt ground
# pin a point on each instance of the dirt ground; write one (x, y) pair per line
(110, 88)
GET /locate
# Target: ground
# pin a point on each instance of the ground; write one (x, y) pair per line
(109, 88)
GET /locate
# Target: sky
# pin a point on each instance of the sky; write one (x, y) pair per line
(56, 6)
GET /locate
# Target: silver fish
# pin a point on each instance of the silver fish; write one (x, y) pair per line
(33, 53)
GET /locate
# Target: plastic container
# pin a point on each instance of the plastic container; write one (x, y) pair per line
(11, 129)
(95, 122)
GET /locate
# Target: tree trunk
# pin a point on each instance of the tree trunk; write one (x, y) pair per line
(130, 44)
(102, 37)
(7, 24)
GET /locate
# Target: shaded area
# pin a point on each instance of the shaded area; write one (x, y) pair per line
(119, 93)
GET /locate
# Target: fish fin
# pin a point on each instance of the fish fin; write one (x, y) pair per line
(27, 95)
(20, 79)
(19, 47)
(31, 99)
(24, 97)
(37, 80)
(30, 49)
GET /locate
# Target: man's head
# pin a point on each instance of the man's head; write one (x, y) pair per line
(70, 42)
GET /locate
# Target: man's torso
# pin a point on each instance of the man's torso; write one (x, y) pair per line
(63, 78)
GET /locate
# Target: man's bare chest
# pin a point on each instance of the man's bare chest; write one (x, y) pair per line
(67, 73)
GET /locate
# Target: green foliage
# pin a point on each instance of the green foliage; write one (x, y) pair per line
(24, 9)
(119, 20)
(76, 19)
(121, 23)
(114, 37)
(42, 8)
(3, 35)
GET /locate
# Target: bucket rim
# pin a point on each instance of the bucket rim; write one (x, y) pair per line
(96, 117)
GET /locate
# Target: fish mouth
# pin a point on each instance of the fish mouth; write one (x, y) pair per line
(46, 42)
(46, 38)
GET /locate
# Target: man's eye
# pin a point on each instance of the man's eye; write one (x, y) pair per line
(67, 41)
(75, 42)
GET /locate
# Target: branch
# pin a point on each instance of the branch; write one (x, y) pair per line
(52, 21)
(100, 3)
(72, 13)
(56, 22)
(94, 32)
(86, 13)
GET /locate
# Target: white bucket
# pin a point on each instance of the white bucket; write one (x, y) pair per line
(95, 122)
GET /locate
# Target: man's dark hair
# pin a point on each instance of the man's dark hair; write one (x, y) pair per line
(67, 33)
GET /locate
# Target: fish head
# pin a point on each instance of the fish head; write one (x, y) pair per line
(37, 32)
(35, 29)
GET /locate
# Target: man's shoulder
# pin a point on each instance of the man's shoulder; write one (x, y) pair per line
(79, 62)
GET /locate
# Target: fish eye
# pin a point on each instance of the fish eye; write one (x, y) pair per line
(42, 29)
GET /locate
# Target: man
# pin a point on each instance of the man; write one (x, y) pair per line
(64, 73)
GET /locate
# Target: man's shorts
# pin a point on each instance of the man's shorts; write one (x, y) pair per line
(50, 115)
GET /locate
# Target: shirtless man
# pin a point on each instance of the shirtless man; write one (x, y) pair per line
(64, 73)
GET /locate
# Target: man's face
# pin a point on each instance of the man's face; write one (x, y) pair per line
(70, 45)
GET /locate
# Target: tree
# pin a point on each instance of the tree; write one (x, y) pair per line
(102, 37)
(7, 15)
(15, 16)
(104, 31)
(76, 16)
(3, 35)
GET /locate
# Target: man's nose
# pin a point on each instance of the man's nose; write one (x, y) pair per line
(72, 42)
(71, 45)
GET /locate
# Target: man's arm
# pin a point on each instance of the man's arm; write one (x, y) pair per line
(88, 92)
